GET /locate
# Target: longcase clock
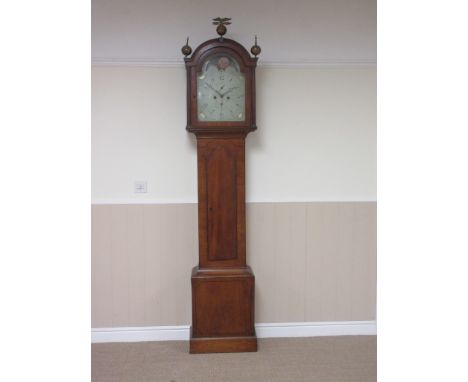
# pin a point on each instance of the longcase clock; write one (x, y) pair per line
(221, 112)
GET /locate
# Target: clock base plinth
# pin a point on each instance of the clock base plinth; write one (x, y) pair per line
(223, 344)
(223, 310)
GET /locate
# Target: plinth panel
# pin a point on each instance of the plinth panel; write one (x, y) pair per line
(223, 310)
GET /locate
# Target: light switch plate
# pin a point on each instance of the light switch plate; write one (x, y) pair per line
(140, 187)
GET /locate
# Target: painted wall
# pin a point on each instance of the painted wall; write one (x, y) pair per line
(298, 31)
(315, 140)
(311, 216)
(313, 262)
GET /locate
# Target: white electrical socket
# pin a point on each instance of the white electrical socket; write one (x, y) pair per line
(139, 187)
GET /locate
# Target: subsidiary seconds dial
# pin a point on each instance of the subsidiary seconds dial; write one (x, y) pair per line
(220, 90)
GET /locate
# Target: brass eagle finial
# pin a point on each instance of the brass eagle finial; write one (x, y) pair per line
(221, 22)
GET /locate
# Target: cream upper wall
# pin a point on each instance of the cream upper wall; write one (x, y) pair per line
(316, 137)
(288, 31)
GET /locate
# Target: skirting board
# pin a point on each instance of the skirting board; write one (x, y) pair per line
(289, 329)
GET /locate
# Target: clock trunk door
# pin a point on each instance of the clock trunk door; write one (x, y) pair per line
(221, 201)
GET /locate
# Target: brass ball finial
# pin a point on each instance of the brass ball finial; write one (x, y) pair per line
(186, 49)
(255, 48)
(221, 22)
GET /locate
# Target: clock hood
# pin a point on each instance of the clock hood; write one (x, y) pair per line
(221, 45)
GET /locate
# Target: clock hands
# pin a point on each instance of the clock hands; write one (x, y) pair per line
(230, 90)
(211, 87)
(221, 111)
(222, 99)
(218, 92)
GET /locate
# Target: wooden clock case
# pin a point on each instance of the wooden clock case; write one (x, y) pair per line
(223, 285)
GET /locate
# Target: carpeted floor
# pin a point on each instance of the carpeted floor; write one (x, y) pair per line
(317, 359)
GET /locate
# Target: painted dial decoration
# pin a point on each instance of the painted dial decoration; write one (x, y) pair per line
(220, 90)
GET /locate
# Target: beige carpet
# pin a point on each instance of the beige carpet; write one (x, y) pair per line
(318, 359)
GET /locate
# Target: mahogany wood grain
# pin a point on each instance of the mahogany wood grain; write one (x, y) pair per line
(221, 201)
(223, 302)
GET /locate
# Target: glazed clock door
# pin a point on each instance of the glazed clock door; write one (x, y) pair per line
(220, 90)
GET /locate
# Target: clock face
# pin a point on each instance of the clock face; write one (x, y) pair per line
(220, 90)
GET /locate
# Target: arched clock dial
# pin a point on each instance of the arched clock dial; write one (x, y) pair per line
(220, 90)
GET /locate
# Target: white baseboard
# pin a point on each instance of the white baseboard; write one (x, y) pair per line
(288, 329)
(141, 333)
(316, 329)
